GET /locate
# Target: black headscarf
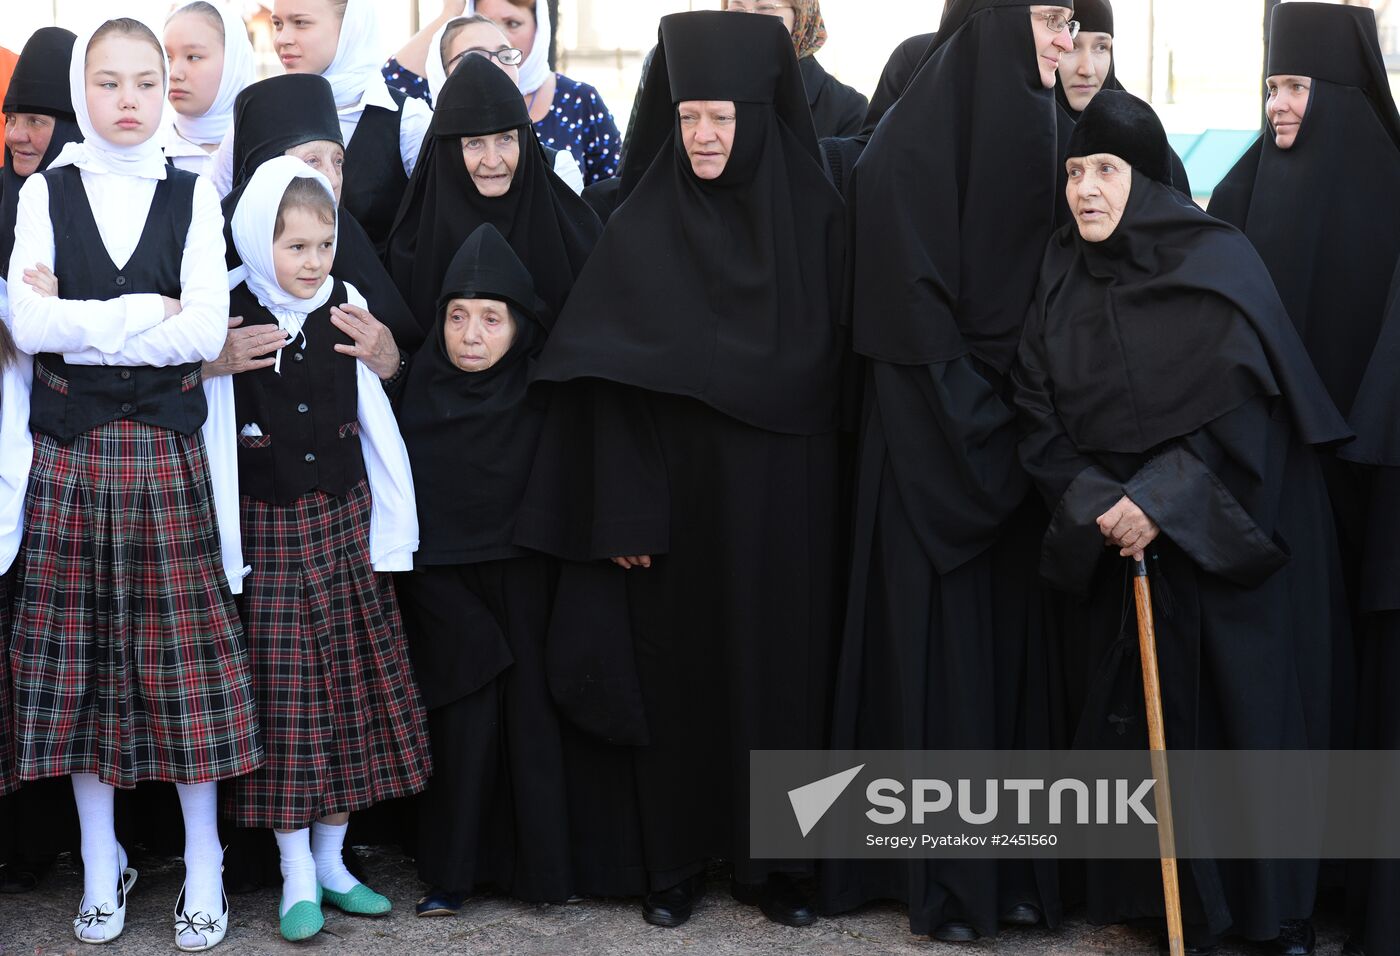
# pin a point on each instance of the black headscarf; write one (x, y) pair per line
(282, 112)
(471, 435)
(550, 228)
(277, 114)
(1321, 213)
(1169, 323)
(39, 85)
(1094, 16)
(725, 290)
(953, 199)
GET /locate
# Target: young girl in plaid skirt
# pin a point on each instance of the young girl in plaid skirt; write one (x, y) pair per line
(327, 504)
(127, 655)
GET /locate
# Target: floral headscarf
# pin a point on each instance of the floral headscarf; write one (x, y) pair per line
(808, 30)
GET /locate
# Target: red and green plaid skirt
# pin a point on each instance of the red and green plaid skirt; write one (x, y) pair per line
(8, 781)
(342, 718)
(126, 653)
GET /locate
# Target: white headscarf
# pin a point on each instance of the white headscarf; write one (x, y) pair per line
(253, 225)
(358, 54)
(437, 75)
(535, 70)
(95, 154)
(239, 71)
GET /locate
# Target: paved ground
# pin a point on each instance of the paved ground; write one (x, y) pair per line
(36, 924)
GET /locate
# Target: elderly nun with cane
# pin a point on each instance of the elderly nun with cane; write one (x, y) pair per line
(1171, 418)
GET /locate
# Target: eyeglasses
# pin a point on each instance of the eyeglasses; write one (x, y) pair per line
(762, 6)
(509, 55)
(1055, 22)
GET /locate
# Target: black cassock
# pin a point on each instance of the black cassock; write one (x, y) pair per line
(1160, 364)
(477, 607)
(694, 419)
(1373, 886)
(944, 644)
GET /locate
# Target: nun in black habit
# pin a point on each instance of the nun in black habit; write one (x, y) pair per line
(1374, 885)
(1317, 202)
(36, 821)
(1170, 410)
(943, 647)
(39, 88)
(275, 116)
(691, 439)
(1087, 71)
(477, 606)
(550, 228)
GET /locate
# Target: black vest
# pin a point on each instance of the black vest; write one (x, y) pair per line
(374, 177)
(69, 400)
(308, 412)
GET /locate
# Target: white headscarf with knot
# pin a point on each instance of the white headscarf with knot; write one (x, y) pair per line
(253, 225)
(94, 154)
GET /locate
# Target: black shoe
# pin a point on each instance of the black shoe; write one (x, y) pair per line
(440, 902)
(673, 905)
(956, 931)
(782, 899)
(1206, 945)
(1295, 938)
(1022, 914)
(1352, 948)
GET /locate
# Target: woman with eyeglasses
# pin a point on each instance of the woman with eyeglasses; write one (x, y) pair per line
(568, 115)
(952, 205)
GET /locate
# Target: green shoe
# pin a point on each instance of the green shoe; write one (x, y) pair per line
(361, 900)
(304, 920)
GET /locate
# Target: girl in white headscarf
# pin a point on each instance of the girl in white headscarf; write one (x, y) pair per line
(569, 115)
(128, 662)
(381, 128)
(211, 61)
(327, 504)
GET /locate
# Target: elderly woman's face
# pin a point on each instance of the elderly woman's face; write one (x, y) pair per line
(1050, 44)
(517, 23)
(491, 161)
(1084, 69)
(707, 133)
(1098, 193)
(1286, 106)
(477, 333)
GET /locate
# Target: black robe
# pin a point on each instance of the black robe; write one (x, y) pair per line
(1374, 885)
(944, 643)
(693, 420)
(837, 109)
(477, 607)
(1160, 365)
(1330, 253)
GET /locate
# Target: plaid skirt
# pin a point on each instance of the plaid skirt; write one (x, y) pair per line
(127, 656)
(8, 780)
(342, 719)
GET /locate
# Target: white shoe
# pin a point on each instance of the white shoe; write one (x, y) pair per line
(107, 919)
(208, 929)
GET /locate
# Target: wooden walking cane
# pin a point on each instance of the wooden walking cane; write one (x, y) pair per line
(1157, 743)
